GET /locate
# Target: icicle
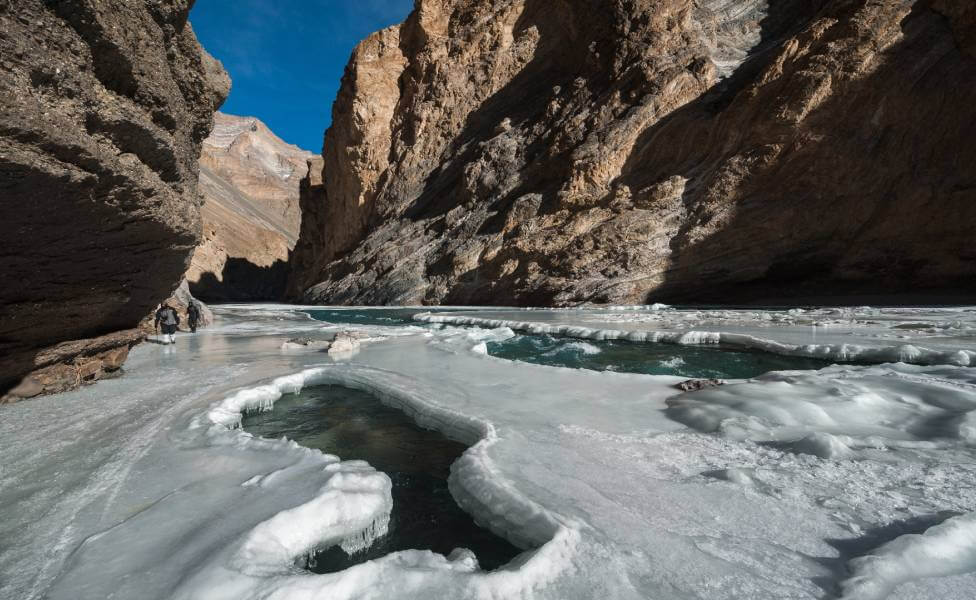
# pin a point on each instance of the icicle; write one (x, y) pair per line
(358, 542)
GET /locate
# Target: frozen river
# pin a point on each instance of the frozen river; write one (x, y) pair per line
(856, 480)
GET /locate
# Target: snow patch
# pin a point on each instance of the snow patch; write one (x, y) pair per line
(832, 412)
(948, 548)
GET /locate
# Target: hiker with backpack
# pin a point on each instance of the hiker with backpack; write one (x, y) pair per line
(170, 320)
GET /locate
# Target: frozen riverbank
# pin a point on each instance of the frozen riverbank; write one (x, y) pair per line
(783, 486)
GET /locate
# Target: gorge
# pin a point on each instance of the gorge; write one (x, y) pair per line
(249, 180)
(538, 153)
(509, 153)
(575, 300)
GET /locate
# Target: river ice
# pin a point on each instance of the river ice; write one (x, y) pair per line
(856, 481)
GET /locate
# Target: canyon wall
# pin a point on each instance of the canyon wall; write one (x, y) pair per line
(555, 152)
(249, 179)
(103, 107)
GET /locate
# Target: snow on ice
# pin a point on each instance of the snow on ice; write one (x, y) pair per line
(856, 481)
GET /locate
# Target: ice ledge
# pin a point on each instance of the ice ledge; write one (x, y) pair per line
(353, 508)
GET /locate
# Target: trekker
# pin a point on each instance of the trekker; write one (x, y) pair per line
(193, 315)
(169, 319)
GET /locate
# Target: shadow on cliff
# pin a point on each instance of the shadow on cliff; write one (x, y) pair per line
(556, 63)
(825, 207)
(521, 101)
(242, 280)
(568, 66)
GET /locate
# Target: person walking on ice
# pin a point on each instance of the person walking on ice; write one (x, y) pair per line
(170, 320)
(193, 316)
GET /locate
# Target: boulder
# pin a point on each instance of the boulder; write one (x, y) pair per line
(693, 385)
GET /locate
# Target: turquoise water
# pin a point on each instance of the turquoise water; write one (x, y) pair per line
(599, 355)
(355, 425)
(648, 358)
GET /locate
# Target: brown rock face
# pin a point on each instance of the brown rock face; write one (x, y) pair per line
(249, 179)
(103, 107)
(68, 365)
(312, 245)
(539, 152)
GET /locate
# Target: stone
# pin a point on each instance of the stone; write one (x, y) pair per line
(103, 108)
(70, 364)
(306, 342)
(27, 388)
(89, 369)
(693, 385)
(680, 150)
(345, 343)
(249, 179)
(112, 360)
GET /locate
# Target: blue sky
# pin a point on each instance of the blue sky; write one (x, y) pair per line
(286, 57)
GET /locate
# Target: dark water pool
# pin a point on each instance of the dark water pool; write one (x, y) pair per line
(355, 425)
(648, 358)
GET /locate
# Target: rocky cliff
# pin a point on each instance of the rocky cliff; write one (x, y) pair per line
(103, 107)
(567, 151)
(249, 179)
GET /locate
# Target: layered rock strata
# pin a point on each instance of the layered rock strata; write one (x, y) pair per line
(103, 107)
(249, 179)
(538, 152)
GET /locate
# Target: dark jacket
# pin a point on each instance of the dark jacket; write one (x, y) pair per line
(193, 313)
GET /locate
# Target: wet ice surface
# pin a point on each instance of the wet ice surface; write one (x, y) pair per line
(855, 481)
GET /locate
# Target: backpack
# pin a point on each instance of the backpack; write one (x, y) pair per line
(170, 317)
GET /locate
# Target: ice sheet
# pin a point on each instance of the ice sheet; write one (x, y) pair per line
(142, 487)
